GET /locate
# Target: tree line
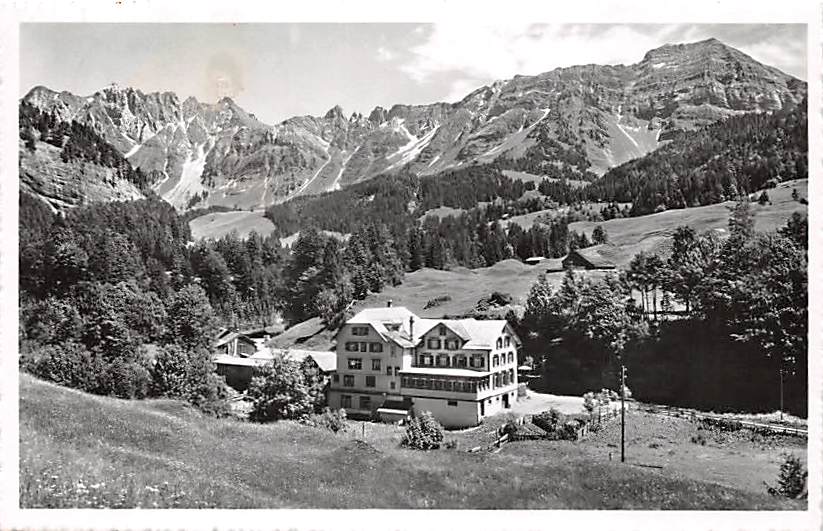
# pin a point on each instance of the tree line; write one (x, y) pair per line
(743, 331)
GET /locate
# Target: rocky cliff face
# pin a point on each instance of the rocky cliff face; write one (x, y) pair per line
(587, 118)
(64, 185)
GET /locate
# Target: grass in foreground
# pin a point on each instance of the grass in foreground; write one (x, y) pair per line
(79, 450)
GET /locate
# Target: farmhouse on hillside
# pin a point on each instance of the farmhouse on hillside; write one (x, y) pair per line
(595, 257)
(392, 364)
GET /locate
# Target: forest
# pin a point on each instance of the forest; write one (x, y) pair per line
(744, 330)
(720, 162)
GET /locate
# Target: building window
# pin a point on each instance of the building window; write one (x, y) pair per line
(433, 344)
(351, 346)
(442, 330)
(375, 364)
(495, 361)
(355, 364)
(365, 402)
(451, 344)
(388, 371)
(348, 380)
(375, 347)
(499, 342)
(438, 384)
(460, 361)
(393, 351)
(404, 382)
(345, 401)
(511, 357)
(477, 362)
(442, 360)
(391, 385)
(335, 378)
(396, 370)
(508, 341)
(369, 381)
(364, 347)
(452, 402)
(360, 330)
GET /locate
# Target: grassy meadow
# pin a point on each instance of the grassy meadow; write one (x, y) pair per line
(215, 225)
(79, 450)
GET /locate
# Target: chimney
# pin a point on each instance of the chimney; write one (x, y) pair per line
(388, 303)
(411, 328)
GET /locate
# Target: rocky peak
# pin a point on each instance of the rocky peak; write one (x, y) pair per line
(335, 113)
(378, 115)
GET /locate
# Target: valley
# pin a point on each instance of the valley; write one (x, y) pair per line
(431, 305)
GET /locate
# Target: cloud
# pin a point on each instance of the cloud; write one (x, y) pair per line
(384, 54)
(472, 55)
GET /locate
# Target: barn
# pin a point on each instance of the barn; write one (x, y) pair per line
(595, 257)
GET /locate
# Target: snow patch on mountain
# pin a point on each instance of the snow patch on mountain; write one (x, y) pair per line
(189, 182)
(412, 150)
(336, 184)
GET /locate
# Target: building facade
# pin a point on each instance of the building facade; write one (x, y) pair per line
(391, 362)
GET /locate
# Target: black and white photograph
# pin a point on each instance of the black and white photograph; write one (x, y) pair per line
(444, 265)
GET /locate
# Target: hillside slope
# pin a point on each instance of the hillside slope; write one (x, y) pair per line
(79, 450)
(465, 287)
(62, 184)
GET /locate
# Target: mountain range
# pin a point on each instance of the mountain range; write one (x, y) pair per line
(584, 119)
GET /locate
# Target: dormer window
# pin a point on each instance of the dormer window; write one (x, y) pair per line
(433, 344)
(442, 330)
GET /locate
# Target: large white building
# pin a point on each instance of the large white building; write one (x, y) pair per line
(391, 362)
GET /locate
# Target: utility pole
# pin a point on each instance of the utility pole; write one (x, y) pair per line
(622, 413)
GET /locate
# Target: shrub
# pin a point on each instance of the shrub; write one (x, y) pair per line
(451, 444)
(69, 364)
(764, 198)
(280, 391)
(792, 479)
(589, 402)
(699, 438)
(569, 430)
(334, 421)
(189, 375)
(125, 378)
(548, 421)
(437, 301)
(423, 433)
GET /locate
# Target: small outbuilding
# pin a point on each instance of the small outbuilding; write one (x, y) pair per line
(595, 257)
(235, 344)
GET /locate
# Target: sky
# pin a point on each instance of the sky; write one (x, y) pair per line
(281, 70)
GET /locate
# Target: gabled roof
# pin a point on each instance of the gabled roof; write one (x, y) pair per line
(598, 256)
(455, 325)
(231, 336)
(327, 361)
(478, 334)
(391, 314)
